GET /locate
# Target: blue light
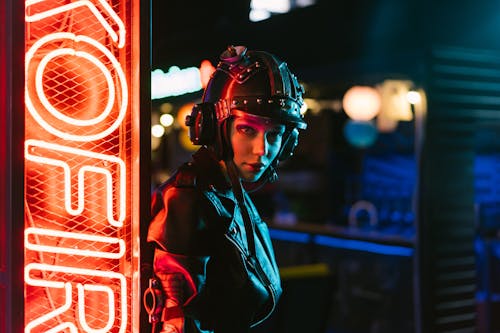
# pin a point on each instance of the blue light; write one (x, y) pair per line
(341, 243)
(365, 246)
(360, 134)
(290, 236)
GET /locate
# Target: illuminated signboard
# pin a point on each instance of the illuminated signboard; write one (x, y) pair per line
(81, 230)
(178, 81)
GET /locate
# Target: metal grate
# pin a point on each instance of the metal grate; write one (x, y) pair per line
(78, 227)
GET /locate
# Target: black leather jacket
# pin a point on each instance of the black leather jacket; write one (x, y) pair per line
(199, 222)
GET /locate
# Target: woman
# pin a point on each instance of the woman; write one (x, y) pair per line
(213, 255)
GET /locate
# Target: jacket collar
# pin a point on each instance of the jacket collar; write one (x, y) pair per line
(211, 172)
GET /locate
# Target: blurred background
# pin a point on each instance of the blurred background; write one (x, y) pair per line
(387, 218)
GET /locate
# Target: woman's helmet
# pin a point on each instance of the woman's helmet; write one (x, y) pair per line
(253, 82)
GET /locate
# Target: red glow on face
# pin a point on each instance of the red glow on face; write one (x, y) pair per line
(79, 231)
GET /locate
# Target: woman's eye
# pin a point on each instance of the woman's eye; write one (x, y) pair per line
(247, 130)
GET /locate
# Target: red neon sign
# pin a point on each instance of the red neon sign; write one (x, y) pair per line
(80, 238)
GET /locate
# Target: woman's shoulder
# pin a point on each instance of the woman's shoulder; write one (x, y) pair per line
(184, 177)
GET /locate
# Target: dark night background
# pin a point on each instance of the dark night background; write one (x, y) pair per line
(431, 195)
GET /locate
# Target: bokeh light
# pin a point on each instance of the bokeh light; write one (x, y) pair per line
(361, 103)
(360, 134)
(413, 97)
(166, 119)
(157, 130)
(182, 113)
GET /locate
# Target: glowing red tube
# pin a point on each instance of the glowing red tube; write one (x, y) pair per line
(80, 162)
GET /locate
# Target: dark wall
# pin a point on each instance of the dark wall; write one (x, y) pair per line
(381, 35)
(330, 31)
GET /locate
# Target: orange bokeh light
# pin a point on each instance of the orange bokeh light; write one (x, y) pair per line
(206, 70)
(184, 111)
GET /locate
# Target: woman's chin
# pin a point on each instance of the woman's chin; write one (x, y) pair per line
(252, 177)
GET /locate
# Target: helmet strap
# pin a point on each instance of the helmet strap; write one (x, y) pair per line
(221, 143)
(235, 180)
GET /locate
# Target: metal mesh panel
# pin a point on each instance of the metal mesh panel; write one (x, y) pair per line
(78, 150)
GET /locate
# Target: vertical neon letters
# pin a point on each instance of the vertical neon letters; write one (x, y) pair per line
(78, 155)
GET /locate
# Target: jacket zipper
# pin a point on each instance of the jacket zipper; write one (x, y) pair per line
(260, 273)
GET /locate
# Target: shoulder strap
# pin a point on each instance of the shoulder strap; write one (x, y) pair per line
(186, 176)
(215, 201)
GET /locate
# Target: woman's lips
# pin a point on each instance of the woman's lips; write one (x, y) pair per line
(255, 167)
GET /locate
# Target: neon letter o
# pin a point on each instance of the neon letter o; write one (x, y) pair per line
(42, 49)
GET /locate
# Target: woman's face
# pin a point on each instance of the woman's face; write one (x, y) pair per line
(256, 143)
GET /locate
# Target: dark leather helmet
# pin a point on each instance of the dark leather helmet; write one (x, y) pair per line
(253, 82)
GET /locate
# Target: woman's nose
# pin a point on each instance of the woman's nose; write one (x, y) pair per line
(260, 145)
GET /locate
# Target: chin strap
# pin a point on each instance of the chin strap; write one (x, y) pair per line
(269, 176)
